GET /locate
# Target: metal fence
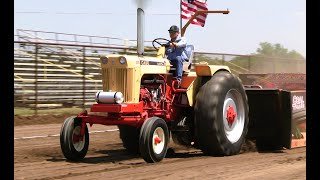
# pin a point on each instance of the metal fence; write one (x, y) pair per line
(67, 75)
(241, 64)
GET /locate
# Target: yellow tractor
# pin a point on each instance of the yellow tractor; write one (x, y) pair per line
(208, 111)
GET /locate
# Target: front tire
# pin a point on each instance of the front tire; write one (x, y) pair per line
(154, 138)
(221, 115)
(74, 147)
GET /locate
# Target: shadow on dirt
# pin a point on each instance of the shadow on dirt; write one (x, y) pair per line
(117, 154)
(250, 146)
(270, 151)
(104, 156)
(121, 155)
(172, 154)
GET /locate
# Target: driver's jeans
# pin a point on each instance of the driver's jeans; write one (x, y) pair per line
(177, 63)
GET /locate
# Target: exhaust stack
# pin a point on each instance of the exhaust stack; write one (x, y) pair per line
(140, 31)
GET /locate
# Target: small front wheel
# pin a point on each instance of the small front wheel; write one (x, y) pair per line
(74, 146)
(154, 139)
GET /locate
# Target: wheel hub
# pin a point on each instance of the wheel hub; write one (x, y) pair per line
(231, 115)
(157, 140)
(77, 138)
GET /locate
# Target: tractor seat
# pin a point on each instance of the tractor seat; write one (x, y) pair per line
(187, 64)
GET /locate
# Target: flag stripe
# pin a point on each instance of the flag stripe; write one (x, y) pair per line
(195, 7)
(188, 9)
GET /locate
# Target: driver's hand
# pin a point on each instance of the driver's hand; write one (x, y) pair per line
(166, 45)
(173, 44)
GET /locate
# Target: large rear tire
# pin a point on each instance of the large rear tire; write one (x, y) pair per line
(221, 115)
(154, 139)
(130, 138)
(74, 147)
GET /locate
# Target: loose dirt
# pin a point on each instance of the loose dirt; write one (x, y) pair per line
(37, 155)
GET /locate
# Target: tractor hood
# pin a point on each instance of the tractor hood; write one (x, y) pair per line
(147, 64)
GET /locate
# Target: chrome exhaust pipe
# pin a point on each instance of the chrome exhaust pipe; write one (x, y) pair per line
(140, 31)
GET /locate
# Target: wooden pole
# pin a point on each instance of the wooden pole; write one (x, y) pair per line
(183, 30)
(180, 15)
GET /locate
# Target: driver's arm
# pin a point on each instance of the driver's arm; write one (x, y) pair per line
(181, 43)
(168, 50)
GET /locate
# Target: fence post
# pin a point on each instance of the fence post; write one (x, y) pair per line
(90, 38)
(249, 64)
(223, 60)
(36, 81)
(84, 78)
(126, 45)
(36, 35)
(75, 39)
(56, 36)
(18, 34)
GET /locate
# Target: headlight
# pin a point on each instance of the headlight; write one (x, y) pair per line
(122, 60)
(104, 60)
(118, 97)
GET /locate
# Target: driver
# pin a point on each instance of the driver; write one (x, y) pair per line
(176, 51)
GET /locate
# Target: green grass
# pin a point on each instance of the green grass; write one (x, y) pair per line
(28, 111)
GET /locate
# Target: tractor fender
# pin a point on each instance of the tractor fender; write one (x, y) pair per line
(203, 73)
(203, 69)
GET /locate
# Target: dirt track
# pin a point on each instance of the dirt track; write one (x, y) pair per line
(37, 155)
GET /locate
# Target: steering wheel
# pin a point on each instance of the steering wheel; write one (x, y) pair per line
(162, 42)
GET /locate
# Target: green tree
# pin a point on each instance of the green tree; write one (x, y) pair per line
(268, 58)
(277, 50)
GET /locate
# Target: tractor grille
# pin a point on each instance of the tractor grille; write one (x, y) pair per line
(116, 79)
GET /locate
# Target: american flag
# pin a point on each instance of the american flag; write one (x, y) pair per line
(189, 7)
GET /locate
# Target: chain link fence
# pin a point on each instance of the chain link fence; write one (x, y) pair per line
(242, 64)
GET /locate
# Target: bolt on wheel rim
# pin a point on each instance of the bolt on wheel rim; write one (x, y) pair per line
(77, 140)
(233, 115)
(158, 140)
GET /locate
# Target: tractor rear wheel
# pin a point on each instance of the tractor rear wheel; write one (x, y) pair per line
(154, 139)
(74, 147)
(221, 115)
(130, 138)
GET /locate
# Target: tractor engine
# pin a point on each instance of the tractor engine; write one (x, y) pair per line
(152, 92)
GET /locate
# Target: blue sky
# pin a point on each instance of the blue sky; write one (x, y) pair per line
(240, 32)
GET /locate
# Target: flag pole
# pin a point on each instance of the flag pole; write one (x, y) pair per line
(180, 16)
(183, 30)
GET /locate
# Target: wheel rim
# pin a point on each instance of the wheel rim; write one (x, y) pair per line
(158, 140)
(78, 141)
(233, 115)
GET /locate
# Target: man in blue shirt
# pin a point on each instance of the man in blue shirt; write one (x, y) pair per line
(176, 51)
